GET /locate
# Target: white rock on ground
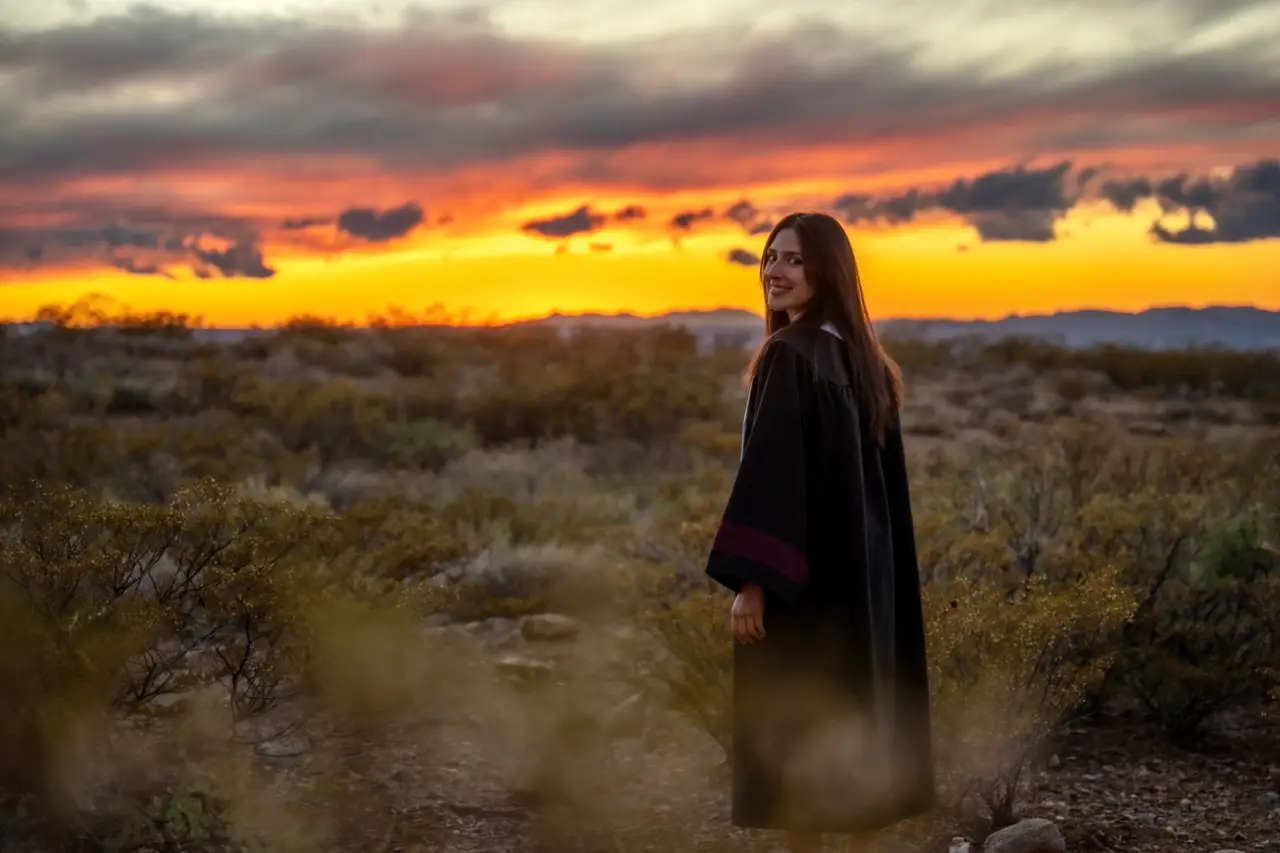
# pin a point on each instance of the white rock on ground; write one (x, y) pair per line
(1033, 835)
(549, 626)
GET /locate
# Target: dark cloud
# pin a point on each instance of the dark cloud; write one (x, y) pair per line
(302, 223)
(1018, 204)
(145, 243)
(892, 210)
(752, 220)
(686, 219)
(241, 259)
(581, 221)
(584, 220)
(1243, 207)
(441, 93)
(375, 226)
(1024, 204)
(743, 258)
(1125, 193)
(743, 213)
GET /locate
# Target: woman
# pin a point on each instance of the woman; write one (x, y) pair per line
(831, 730)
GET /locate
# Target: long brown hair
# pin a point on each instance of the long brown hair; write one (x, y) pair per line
(831, 270)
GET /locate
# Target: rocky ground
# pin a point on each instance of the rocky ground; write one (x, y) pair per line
(598, 770)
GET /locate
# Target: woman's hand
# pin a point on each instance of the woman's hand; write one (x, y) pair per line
(746, 618)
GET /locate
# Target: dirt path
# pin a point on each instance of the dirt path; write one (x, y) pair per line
(460, 789)
(1123, 787)
(521, 772)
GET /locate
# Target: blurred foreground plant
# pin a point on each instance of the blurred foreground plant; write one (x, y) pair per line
(119, 611)
(1006, 664)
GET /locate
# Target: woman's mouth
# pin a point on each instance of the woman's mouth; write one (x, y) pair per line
(779, 289)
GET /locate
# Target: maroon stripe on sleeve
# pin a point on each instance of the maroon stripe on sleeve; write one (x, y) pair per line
(765, 548)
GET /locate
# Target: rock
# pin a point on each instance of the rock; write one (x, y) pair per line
(549, 626)
(493, 633)
(628, 718)
(960, 845)
(436, 620)
(523, 670)
(1033, 835)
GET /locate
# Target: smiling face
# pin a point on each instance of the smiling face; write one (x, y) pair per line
(786, 288)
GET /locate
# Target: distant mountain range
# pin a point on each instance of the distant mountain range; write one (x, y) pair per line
(1234, 327)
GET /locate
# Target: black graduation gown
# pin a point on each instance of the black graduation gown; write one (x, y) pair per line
(831, 725)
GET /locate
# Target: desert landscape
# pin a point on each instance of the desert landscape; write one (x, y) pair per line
(419, 588)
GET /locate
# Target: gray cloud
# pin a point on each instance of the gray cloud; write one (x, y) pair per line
(142, 242)
(584, 220)
(1125, 193)
(742, 257)
(686, 219)
(1018, 204)
(239, 259)
(437, 94)
(1025, 204)
(302, 223)
(376, 226)
(751, 219)
(580, 221)
(1244, 207)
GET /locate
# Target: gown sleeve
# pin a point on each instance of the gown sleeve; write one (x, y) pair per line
(762, 534)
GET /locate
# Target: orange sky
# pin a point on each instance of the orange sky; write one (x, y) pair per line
(1103, 260)
(165, 157)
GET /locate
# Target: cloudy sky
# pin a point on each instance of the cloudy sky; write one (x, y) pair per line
(514, 157)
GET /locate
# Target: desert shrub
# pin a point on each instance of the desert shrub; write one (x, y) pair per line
(115, 607)
(1006, 663)
(399, 540)
(330, 422)
(426, 443)
(1171, 516)
(696, 661)
(592, 387)
(216, 381)
(186, 819)
(682, 613)
(114, 612)
(412, 352)
(1208, 637)
(131, 399)
(82, 453)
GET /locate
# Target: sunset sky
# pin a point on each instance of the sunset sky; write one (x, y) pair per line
(510, 158)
